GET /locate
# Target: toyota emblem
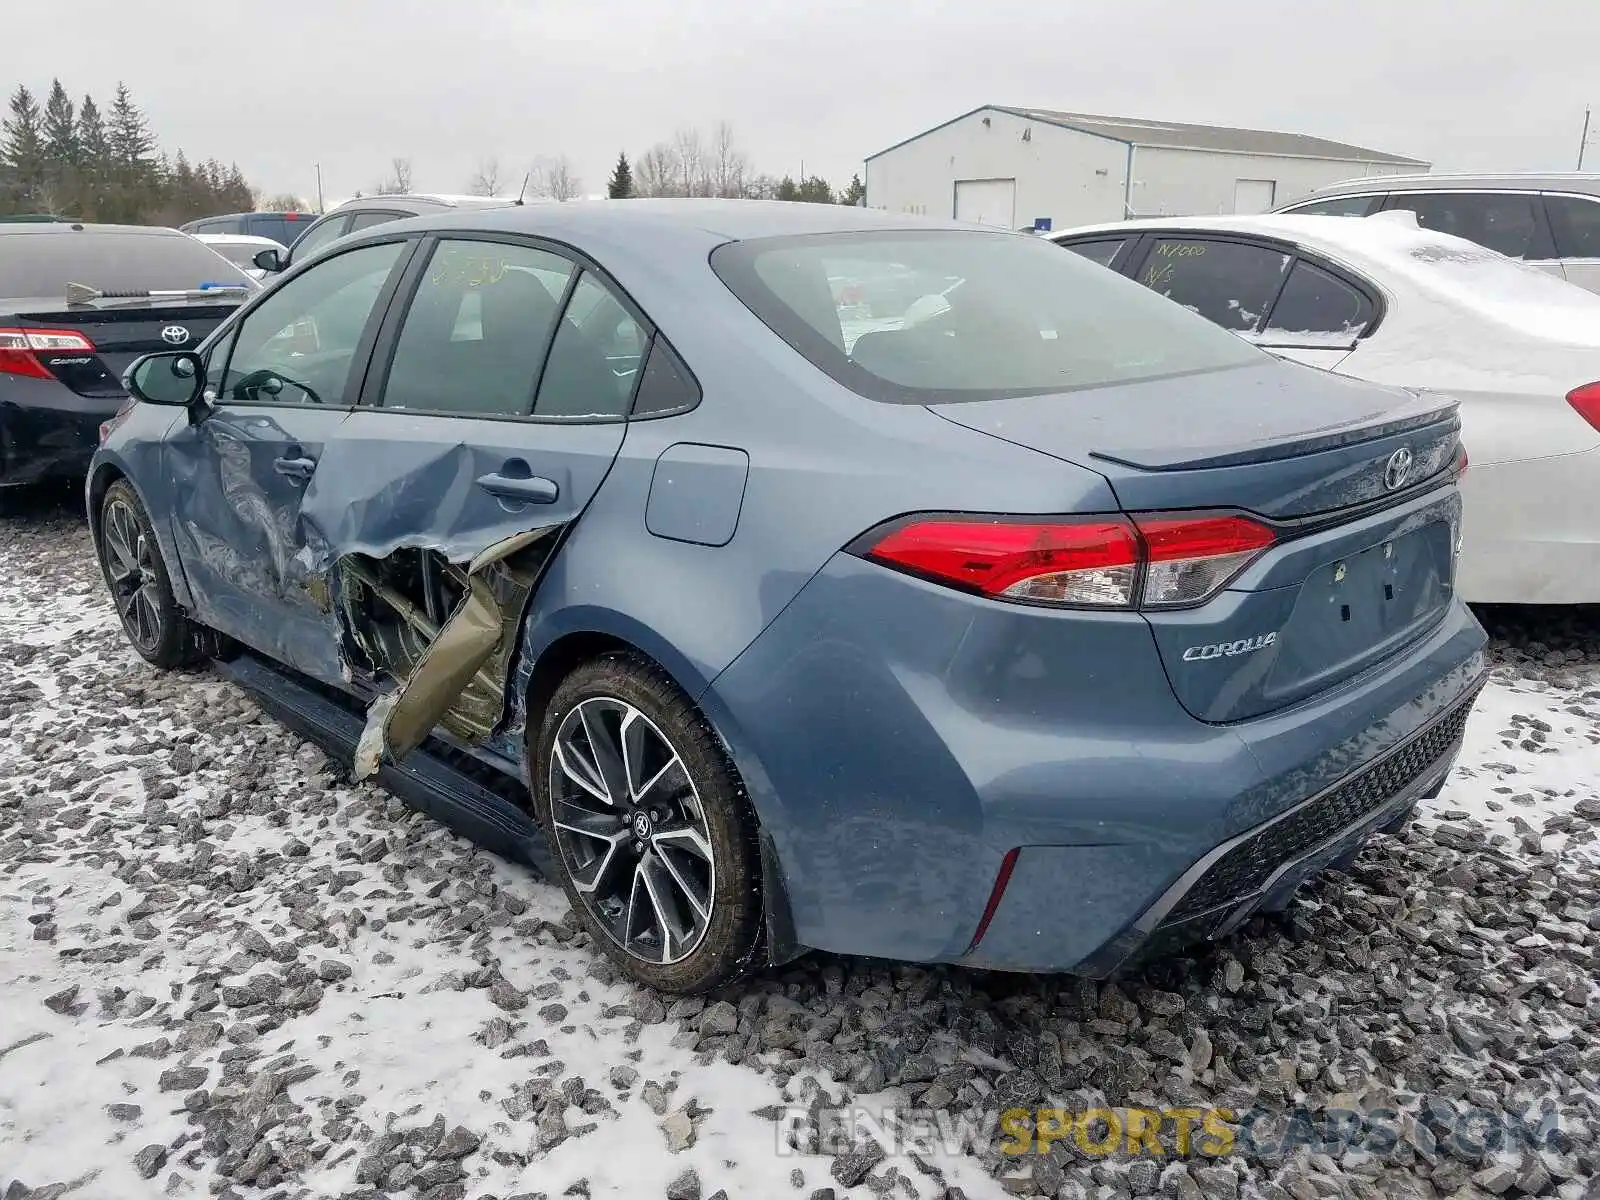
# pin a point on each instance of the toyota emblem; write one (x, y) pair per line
(174, 335)
(1397, 470)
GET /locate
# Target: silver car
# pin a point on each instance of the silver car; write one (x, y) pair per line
(362, 213)
(1549, 221)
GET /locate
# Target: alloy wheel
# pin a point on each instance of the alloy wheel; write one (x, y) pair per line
(130, 567)
(631, 830)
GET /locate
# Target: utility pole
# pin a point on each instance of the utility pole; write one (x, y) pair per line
(319, 187)
(1583, 142)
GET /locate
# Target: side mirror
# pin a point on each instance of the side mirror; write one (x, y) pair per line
(271, 260)
(174, 378)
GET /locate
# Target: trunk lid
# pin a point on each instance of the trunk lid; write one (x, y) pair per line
(1361, 568)
(120, 330)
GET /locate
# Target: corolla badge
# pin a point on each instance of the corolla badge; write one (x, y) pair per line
(1397, 470)
(1230, 649)
(174, 335)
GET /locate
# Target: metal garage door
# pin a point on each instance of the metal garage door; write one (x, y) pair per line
(987, 201)
(1254, 195)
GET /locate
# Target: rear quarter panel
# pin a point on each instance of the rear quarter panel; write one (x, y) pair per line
(824, 466)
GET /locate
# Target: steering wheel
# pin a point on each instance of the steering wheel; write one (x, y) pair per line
(270, 383)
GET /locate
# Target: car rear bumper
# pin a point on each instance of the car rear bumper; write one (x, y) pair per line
(48, 431)
(899, 740)
(1259, 870)
(1531, 531)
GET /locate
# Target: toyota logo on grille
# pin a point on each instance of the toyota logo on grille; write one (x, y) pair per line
(174, 335)
(1397, 470)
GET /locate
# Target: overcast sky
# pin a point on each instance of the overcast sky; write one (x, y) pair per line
(278, 85)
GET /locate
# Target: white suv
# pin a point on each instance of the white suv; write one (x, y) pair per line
(1549, 221)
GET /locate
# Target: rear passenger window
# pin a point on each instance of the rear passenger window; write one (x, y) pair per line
(1338, 206)
(1229, 283)
(665, 386)
(594, 362)
(1316, 302)
(366, 220)
(1575, 222)
(476, 330)
(1504, 222)
(1101, 252)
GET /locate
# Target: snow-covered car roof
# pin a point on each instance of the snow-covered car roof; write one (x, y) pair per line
(1392, 251)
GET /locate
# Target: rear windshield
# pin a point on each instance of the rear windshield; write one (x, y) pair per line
(921, 317)
(278, 227)
(40, 265)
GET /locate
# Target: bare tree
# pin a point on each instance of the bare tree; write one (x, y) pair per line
(485, 180)
(693, 178)
(760, 187)
(398, 182)
(728, 165)
(283, 202)
(656, 172)
(555, 178)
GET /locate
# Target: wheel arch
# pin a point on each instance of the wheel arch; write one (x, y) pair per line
(107, 471)
(558, 654)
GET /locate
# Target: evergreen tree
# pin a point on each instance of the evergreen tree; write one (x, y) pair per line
(59, 129)
(620, 186)
(94, 153)
(856, 193)
(814, 189)
(22, 152)
(182, 181)
(132, 147)
(106, 166)
(787, 190)
(240, 195)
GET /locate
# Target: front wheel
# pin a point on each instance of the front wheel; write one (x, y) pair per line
(655, 843)
(136, 577)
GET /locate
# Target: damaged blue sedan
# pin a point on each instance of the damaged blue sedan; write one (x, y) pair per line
(785, 576)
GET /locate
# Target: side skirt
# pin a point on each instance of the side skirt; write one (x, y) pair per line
(423, 779)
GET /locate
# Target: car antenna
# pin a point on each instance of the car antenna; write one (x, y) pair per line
(524, 190)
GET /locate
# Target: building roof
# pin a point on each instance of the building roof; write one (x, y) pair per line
(1175, 135)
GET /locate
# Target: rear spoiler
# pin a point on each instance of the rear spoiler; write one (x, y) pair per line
(79, 293)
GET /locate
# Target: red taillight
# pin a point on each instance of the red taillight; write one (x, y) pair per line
(20, 349)
(1190, 559)
(1092, 562)
(1101, 562)
(1586, 400)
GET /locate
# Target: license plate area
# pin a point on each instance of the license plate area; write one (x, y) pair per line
(1381, 588)
(1362, 606)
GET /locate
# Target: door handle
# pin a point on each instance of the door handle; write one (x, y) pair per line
(295, 468)
(529, 489)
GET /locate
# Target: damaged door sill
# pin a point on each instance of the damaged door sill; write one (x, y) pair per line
(423, 780)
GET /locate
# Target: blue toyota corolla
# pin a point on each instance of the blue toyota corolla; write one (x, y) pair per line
(1012, 617)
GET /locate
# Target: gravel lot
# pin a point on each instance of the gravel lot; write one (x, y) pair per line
(226, 970)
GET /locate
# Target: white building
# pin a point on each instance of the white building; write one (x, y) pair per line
(1015, 166)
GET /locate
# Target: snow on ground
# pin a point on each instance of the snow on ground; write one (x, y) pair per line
(226, 970)
(1532, 755)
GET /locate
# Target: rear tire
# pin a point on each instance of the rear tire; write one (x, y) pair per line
(141, 590)
(653, 838)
